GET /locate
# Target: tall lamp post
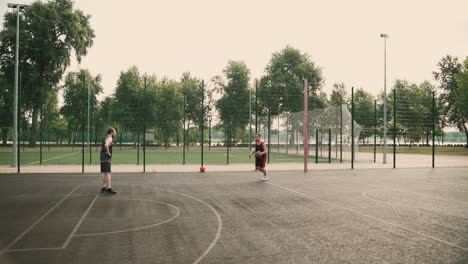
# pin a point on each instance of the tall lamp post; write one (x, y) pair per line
(15, 105)
(385, 37)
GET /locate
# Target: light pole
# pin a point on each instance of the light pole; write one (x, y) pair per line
(15, 104)
(385, 37)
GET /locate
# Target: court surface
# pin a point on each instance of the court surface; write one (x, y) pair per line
(324, 216)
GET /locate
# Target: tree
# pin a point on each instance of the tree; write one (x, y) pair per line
(282, 89)
(233, 106)
(168, 110)
(6, 122)
(75, 92)
(49, 32)
(414, 111)
(103, 117)
(318, 100)
(59, 129)
(448, 70)
(422, 101)
(50, 114)
(338, 95)
(364, 112)
(192, 91)
(405, 113)
(462, 92)
(128, 111)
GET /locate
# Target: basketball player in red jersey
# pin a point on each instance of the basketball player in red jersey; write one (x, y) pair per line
(260, 156)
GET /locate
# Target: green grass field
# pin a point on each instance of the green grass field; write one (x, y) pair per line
(421, 150)
(174, 155)
(55, 157)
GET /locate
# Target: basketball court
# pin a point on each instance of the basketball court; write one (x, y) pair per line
(409, 215)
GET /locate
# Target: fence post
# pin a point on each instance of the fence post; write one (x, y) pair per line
(144, 134)
(184, 135)
(278, 132)
(341, 131)
(394, 127)
(375, 130)
(352, 127)
(269, 135)
(41, 127)
(433, 129)
(18, 127)
(209, 134)
(306, 124)
(89, 138)
(256, 108)
(287, 135)
(202, 123)
(138, 148)
(228, 138)
(316, 145)
(329, 146)
(82, 128)
(250, 122)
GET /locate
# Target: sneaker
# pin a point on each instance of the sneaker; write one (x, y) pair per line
(110, 191)
(103, 189)
(265, 178)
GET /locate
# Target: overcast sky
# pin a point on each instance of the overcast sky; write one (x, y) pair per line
(167, 38)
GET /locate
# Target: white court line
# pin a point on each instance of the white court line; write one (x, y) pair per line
(197, 261)
(46, 195)
(372, 217)
(364, 194)
(83, 217)
(38, 220)
(63, 156)
(421, 194)
(220, 222)
(29, 249)
(79, 222)
(136, 228)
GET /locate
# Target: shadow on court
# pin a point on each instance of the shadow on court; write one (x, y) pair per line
(325, 216)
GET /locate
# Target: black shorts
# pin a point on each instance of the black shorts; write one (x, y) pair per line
(260, 162)
(106, 167)
(106, 162)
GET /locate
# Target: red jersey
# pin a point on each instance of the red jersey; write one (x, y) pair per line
(261, 161)
(260, 147)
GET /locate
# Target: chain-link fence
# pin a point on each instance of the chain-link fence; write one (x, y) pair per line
(351, 133)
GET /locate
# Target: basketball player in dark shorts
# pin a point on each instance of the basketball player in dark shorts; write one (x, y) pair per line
(260, 157)
(106, 161)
